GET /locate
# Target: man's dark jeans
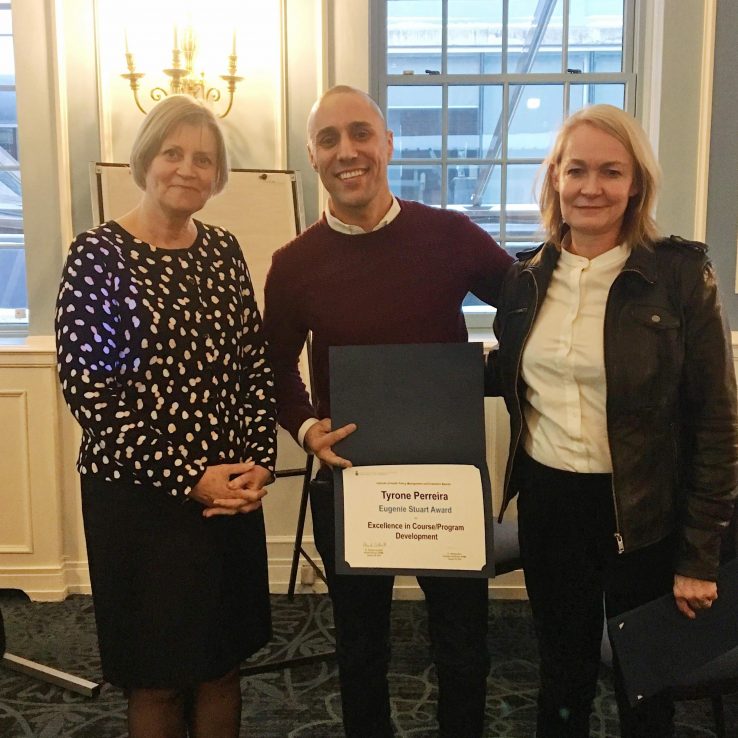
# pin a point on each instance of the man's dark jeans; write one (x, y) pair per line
(457, 617)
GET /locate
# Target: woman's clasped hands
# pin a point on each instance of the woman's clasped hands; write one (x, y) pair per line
(229, 489)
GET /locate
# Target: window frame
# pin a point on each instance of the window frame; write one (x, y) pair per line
(41, 104)
(381, 81)
(7, 243)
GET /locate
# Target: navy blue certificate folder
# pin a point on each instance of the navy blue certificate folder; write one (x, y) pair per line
(658, 647)
(413, 404)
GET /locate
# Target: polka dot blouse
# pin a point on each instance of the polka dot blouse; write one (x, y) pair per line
(162, 358)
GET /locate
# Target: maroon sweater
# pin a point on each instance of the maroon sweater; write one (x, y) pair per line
(401, 284)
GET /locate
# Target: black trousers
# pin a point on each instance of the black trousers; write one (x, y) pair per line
(457, 617)
(566, 526)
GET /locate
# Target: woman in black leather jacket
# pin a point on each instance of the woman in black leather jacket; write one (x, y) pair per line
(616, 367)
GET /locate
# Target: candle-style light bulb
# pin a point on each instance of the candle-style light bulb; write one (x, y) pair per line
(176, 43)
(125, 39)
(233, 47)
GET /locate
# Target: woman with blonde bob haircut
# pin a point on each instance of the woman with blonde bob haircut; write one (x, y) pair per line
(162, 361)
(616, 367)
(639, 227)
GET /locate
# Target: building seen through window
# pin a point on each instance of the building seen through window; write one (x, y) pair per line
(475, 90)
(13, 293)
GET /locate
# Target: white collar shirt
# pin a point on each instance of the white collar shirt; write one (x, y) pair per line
(354, 230)
(563, 366)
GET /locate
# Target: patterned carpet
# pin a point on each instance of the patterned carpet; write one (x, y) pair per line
(301, 702)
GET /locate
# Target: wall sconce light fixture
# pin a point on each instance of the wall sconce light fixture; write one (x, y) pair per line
(182, 76)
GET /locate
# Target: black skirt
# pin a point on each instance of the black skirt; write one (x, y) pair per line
(179, 599)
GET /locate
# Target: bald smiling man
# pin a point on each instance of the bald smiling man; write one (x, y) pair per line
(377, 270)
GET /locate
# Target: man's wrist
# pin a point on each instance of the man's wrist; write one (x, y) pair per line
(304, 428)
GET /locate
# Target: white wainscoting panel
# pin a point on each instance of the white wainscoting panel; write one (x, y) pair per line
(16, 527)
(31, 549)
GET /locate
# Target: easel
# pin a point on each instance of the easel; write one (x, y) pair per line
(298, 548)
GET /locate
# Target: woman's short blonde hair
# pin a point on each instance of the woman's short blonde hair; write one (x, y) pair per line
(639, 226)
(165, 117)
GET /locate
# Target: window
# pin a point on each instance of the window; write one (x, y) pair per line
(475, 90)
(13, 296)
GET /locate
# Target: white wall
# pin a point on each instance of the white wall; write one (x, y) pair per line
(684, 121)
(327, 43)
(253, 128)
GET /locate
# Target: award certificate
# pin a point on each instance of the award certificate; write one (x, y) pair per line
(418, 516)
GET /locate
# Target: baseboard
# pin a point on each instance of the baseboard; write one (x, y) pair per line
(78, 577)
(40, 583)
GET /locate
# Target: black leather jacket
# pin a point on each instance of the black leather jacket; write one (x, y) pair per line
(671, 394)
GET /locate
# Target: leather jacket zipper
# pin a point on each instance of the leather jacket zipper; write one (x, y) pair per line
(506, 501)
(618, 531)
(618, 537)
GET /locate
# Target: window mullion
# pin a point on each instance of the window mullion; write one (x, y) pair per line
(505, 120)
(565, 39)
(565, 57)
(444, 37)
(505, 36)
(444, 145)
(444, 103)
(628, 63)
